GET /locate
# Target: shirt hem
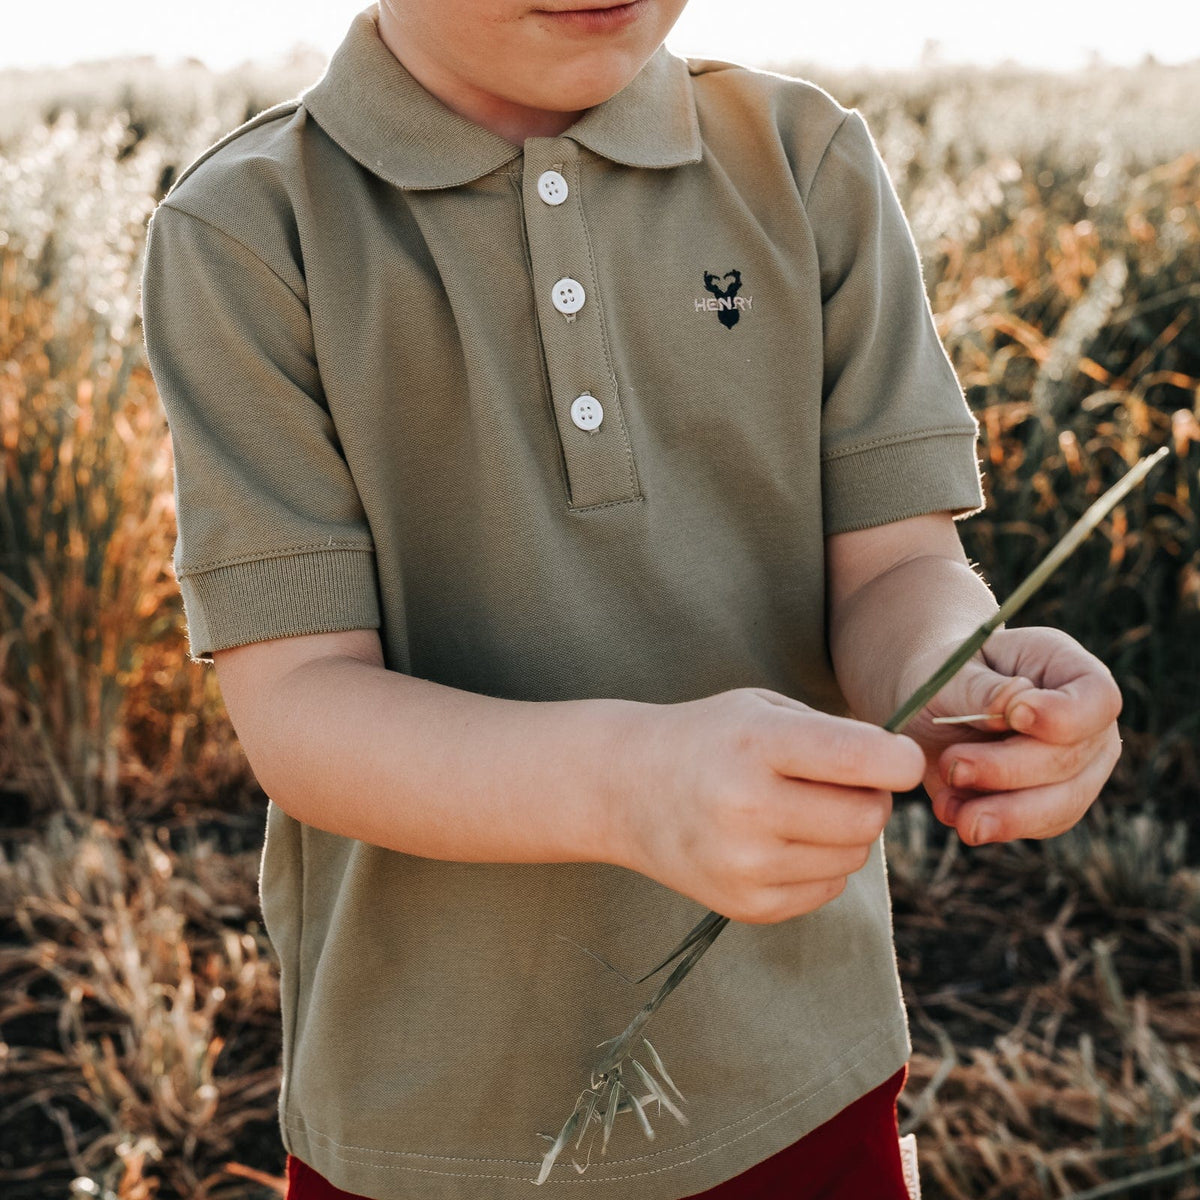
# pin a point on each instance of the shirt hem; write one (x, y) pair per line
(685, 1171)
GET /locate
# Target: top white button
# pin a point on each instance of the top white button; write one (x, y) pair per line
(568, 295)
(552, 187)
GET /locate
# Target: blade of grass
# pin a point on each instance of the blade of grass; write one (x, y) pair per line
(673, 980)
(641, 1114)
(698, 931)
(658, 1063)
(657, 1089)
(554, 1151)
(594, 1099)
(610, 1113)
(1070, 542)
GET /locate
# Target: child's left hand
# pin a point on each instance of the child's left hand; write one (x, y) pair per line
(1036, 769)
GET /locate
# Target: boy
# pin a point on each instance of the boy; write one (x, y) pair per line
(564, 449)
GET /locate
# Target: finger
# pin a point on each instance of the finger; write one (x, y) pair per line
(1017, 761)
(775, 904)
(782, 699)
(1076, 709)
(801, 862)
(1041, 812)
(823, 814)
(1075, 696)
(814, 745)
(979, 689)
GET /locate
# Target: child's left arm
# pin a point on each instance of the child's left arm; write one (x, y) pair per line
(901, 597)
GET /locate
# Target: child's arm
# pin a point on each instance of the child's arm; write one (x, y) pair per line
(747, 801)
(901, 597)
(343, 744)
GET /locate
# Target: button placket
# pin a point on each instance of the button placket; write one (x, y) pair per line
(587, 409)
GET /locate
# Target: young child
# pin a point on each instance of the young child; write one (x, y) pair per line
(564, 451)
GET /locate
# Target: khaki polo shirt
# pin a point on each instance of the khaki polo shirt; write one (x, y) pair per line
(563, 420)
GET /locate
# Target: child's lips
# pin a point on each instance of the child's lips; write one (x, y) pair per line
(596, 20)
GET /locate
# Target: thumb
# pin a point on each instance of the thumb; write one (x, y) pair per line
(982, 690)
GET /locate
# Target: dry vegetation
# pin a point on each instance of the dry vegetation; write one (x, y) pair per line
(1052, 986)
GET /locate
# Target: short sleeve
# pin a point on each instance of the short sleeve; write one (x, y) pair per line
(272, 537)
(897, 437)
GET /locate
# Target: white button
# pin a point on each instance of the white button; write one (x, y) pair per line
(568, 295)
(552, 187)
(586, 411)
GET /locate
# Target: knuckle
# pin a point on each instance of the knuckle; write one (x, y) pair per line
(1082, 755)
(998, 773)
(747, 729)
(740, 808)
(812, 896)
(1115, 749)
(745, 863)
(747, 736)
(833, 889)
(845, 753)
(1114, 700)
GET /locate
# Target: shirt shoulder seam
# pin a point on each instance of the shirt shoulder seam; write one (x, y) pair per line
(812, 183)
(187, 212)
(282, 109)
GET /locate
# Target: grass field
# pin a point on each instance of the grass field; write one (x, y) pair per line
(1052, 986)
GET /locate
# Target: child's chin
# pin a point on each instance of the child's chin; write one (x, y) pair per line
(591, 83)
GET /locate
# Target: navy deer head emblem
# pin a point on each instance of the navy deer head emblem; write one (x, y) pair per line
(728, 313)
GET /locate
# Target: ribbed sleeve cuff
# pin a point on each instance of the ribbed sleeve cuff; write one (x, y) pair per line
(896, 480)
(316, 591)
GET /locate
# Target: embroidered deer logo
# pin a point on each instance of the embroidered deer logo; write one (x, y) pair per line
(727, 311)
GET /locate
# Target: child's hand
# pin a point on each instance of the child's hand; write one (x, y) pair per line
(1034, 771)
(754, 804)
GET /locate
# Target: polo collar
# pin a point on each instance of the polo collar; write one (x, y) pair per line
(383, 118)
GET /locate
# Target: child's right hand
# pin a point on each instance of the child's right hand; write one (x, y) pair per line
(756, 805)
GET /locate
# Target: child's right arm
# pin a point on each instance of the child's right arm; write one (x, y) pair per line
(748, 802)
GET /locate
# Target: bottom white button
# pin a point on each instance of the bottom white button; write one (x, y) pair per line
(586, 411)
(568, 295)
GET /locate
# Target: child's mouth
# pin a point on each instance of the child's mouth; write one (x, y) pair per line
(596, 20)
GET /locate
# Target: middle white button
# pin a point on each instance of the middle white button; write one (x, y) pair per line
(586, 411)
(552, 187)
(568, 295)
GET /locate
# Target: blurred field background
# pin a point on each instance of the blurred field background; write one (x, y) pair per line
(1052, 986)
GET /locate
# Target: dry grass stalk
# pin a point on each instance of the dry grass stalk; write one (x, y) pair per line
(138, 1007)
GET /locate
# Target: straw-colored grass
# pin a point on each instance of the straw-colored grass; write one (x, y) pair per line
(1052, 985)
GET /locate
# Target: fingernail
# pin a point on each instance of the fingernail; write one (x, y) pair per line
(962, 774)
(1022, 718)
(986, 828)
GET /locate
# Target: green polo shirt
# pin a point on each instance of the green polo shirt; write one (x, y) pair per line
(562, 421)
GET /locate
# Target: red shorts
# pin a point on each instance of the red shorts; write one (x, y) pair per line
(854, 1154)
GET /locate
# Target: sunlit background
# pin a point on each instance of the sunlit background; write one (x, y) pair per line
(1062, 34)
(1053, 985)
